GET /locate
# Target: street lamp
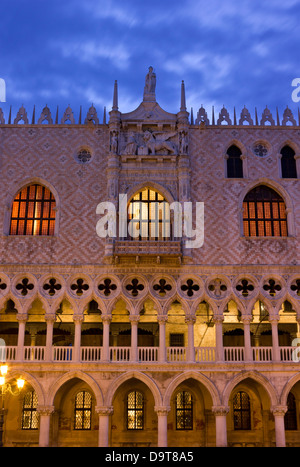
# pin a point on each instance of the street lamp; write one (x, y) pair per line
(5, 388)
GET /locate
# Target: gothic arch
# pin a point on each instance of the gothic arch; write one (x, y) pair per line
(149, 382)
(287, 388)
(154, 186)
(257, 377)
(201, 378)
(14, 190)
(41, 393)
(68, 377)
(280, 190)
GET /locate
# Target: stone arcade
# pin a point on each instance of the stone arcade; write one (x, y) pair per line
(142, 341)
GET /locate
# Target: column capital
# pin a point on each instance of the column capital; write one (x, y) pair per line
(134, 319)
(246, 319)
(77, 318)
(273, 319)
(104, 410)
(106, 318)
(22, 317)
(162, 319)
(279, 410)
(45, 409)
(162, 410)
(190, 319)
(50, 317)
(218, 319)
(220, 410)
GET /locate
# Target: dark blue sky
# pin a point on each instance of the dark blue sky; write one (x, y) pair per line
(231, 53)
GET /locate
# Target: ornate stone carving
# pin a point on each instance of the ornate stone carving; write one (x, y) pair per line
(150, 85)
(45, 115)
(92, 116)
(21, 115)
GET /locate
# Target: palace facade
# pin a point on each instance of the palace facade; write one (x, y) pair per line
(150, 280)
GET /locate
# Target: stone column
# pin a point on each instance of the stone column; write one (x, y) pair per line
(106, 319)
(190, 320)
(220, 413)
(22, 318)
(247, 338)
(275, 342)
(218, 320)
(104, 418)
(45, 413)
(50, 320)
(77, 339)
(162, 426)
(279, 412)
(162, 354)
(134, 354)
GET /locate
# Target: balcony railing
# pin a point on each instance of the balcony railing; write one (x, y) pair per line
(145, 354)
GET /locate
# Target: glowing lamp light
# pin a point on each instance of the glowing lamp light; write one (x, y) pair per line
(3, 370)
(20, 383)
(2, 380)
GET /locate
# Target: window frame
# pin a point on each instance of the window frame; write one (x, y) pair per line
(137, 426)
(82, 410)
(34, 199)
(30, 411)
(258, 193)
(241, 411)
(187, 426)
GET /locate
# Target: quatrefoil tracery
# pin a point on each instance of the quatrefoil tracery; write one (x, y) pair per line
(135, 287)
(24, 286)
(79, 287)
(107, 287)
(52, 286)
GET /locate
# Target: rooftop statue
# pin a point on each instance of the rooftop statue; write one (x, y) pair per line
(150, 84)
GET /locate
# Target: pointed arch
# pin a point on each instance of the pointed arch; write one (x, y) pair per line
(201, 378)
(149, 382)
(285, 207)
(68, 377)
(24, 184)
(258, 378)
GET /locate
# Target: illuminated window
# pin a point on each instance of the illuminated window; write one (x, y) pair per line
(149, 216)
(33, 212)
(264, 213)
(234, 162)
(288, 163)
(30, 417)
(135, 411)
(241, 411)
(184, 411)
(83, 411)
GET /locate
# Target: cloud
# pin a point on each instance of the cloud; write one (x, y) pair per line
(91, 51)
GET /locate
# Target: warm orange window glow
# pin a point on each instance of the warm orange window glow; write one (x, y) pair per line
(264, 213)
(33, 212)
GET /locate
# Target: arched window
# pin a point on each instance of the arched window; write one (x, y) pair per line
(234, 162)
(184, 411)
(290, 417)
(288, 163)
(30, 416)
(149, 216)
(241, 411)
(264, 213)
(33, 212)
(83, 411)
(135, 411)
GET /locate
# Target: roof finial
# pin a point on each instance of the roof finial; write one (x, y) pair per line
(115, 98)
(182, 101)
